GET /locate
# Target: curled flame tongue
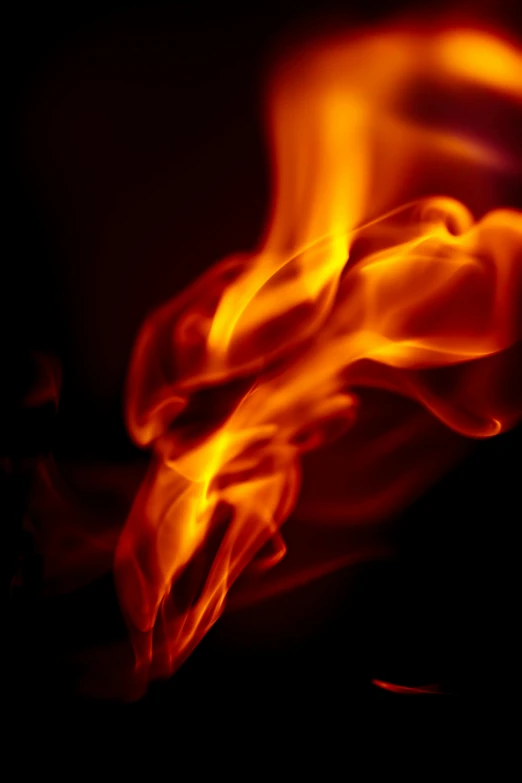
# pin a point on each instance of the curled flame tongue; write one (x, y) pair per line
(253, 365)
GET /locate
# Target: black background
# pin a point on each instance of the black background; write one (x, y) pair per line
(138, 160)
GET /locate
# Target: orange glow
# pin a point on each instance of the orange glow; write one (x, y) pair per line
(363, 279)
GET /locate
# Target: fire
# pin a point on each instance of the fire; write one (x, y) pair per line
(363, 278)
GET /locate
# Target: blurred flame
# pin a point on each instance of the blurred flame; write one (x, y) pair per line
(362, 279)
(405, 690)
(481, 58)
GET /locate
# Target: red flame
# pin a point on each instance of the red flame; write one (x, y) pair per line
(405, 690)
(362, 280)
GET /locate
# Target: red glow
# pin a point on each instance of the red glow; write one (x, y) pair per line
(404, 690)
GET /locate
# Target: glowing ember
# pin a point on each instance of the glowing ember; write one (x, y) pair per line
(361, 280)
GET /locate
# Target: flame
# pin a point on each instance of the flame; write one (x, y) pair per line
(405, 690)
(363, 279)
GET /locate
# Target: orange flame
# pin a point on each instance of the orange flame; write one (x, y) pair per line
(362, 279)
